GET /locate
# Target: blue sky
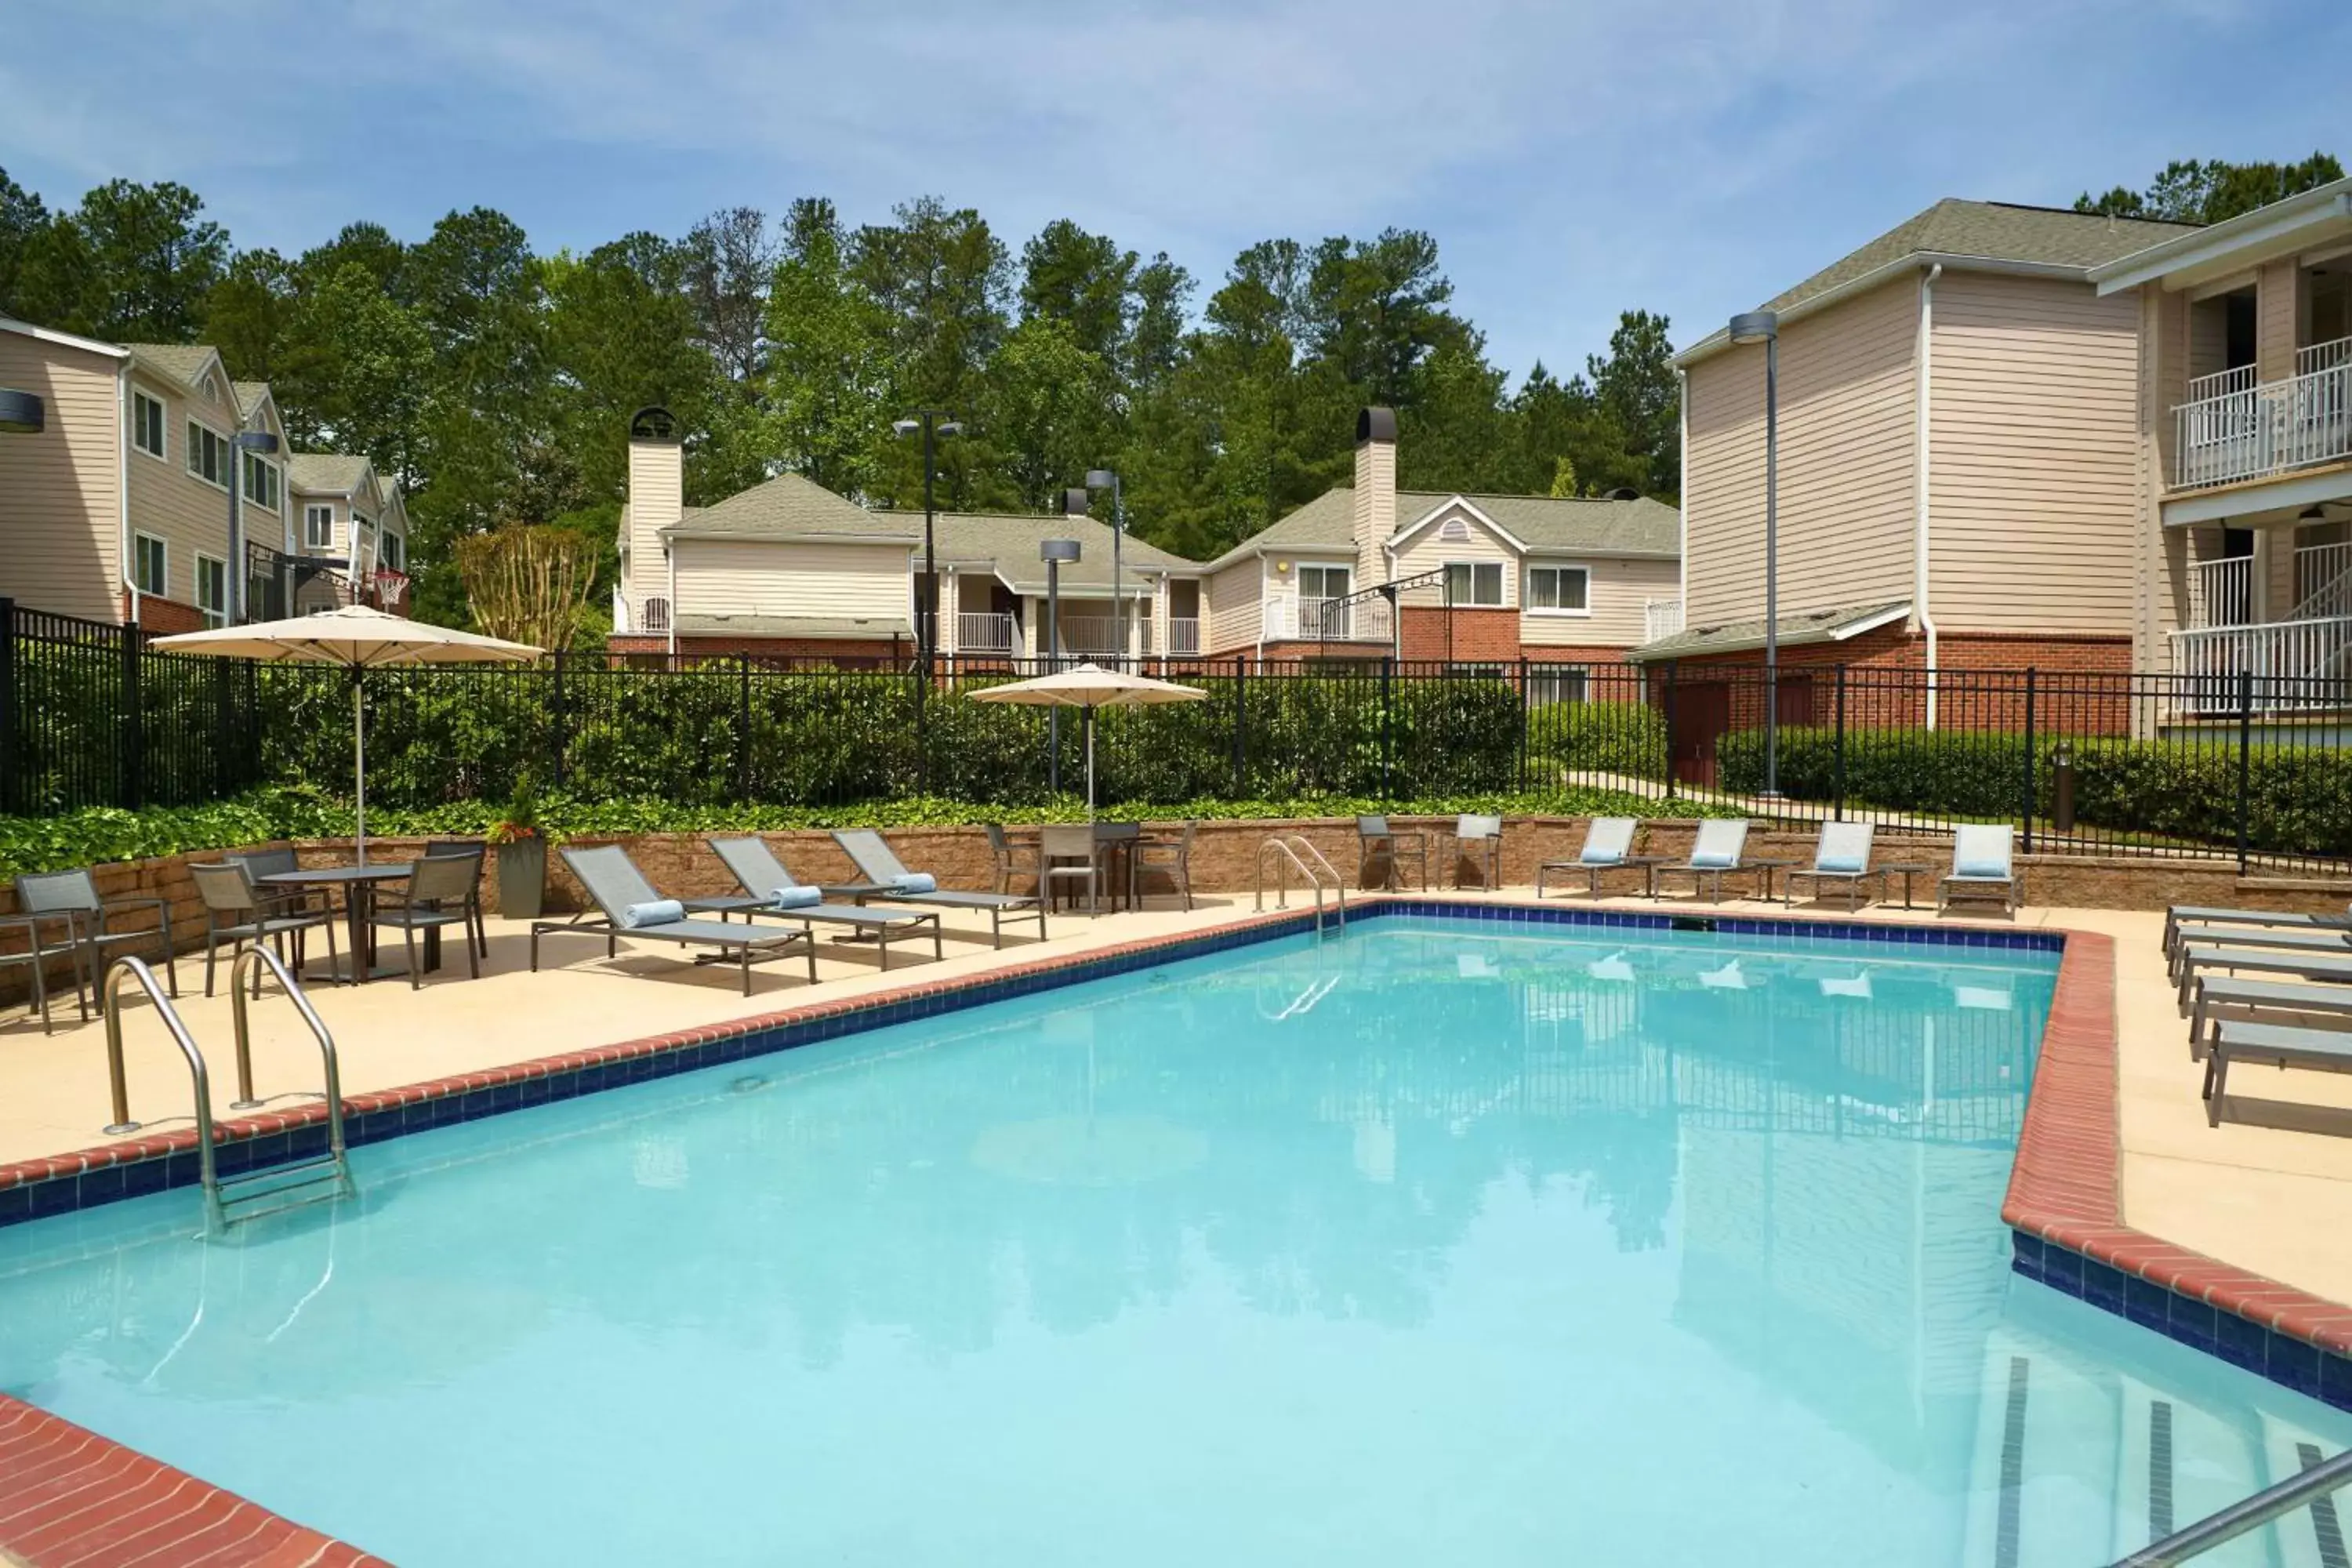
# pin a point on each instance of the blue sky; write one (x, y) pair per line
(1573, 159)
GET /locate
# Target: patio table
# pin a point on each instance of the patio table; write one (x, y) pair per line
(1767, 866)
(358, 884)
(1906, 869)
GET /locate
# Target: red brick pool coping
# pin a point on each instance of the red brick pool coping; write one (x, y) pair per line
(71, 1499)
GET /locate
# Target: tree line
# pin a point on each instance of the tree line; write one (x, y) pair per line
(495, 381)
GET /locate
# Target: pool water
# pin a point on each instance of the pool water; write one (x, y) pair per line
(1438, 1242)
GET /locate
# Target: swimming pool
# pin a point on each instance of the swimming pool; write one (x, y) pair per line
(1438, 1242)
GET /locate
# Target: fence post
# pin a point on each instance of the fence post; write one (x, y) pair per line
(1388, 740)
(1523, 724)
(1241, 720)
(255, 723)
(2030, 800)
(2246, 754)
(558, 727)
(743, 726)
(8, 765)
(1837, 788)
(133, 735)
(1666, 701)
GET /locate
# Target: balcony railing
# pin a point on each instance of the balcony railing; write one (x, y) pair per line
(2296, 666)
(2249, 431)
(985, 632)
(1661, 618)
(2323, 581)
(1362, 620)
(2223, 593)
(1092, 636)
(1183, 634)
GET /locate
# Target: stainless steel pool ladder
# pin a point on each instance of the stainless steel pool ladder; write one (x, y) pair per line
(2242, 1517)
(1312, 868)
(269, 1190)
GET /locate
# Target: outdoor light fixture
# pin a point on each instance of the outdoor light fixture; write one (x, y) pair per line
(1764, 327)
(21, 412)
(1076, 502)
(232, 577)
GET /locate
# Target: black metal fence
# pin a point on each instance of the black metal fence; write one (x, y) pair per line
(2250, 767)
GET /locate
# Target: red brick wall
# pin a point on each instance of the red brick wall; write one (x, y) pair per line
(1477, 636)
(163, 617)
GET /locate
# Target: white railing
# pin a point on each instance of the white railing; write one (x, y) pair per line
(2295, 665)
(984, 632)
(1327, 620)
(2271, 428)
(2221, 384)
(1183, 634)
(2224, 593)
(1661, 618)
(1092, 634)
(2323, 581)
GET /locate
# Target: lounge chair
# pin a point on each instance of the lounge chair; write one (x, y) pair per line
(630, 908)
(889, 880)
(1841, 855)
(2311, 939)
(1478, 840)
(763, 878)
(1608, 846)
(2177, 915)
(2223, 999)
(1984, 860)
(2326, 1050)
(2196, 959)
(1719, 851)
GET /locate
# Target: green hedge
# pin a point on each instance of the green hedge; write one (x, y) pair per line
(99, 834)
(2298, 800)
(1627, 738)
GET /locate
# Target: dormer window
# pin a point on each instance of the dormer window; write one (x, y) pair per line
(1453, 529)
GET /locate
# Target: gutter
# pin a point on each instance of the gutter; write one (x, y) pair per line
(678, 530)
(1920, 478)
(122, 481)
(669, 553)
(1681, 488)
(2213, 246)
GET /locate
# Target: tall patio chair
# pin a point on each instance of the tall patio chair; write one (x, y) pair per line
(1178, 863)
(879, 864)
(443, 891)
(769, 888)
(235, 911)
(1983, 861)
(1478, 840)
(277, 899)
(1376, 840)
(1719, 851)
(72, 897)
(1608, 846)
(1005, 853)
(1067, 854)
(477, 850)
(1842, 853)
(629, 907)
(36, 958)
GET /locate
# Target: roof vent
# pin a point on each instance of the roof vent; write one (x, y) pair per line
(1623, 492)
(653, 423)
(1454, 527)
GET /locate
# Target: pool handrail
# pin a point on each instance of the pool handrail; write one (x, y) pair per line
(110, 1010)
(1290, 843)
(2244, 1516)
(257, 953)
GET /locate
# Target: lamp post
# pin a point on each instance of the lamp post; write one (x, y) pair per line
(237, 570)
(934, 424)
(1102, 478)
(1764, 327)
(1052, 553)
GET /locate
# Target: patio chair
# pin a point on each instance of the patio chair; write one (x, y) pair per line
(1178, 863)
(2281, 1045)
(72, 896)
(1983, 861)
(233, 908)
(1006, 854)
(1478, 840)
(478, 849)
(1376, 840)
(630, 907)
(1067, 855)
(2177, 915)
(1719, 851)
(443, 891)
(880, 867)
(1841, 855)
(1608, 846)
(36, 958)
(770, 889)
(277, 899)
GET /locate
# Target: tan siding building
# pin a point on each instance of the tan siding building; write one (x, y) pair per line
(61, 490)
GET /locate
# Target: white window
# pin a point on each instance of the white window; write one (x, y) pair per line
(395, 553)
(1557, 684)
(211, 590)
(657, 615)
(150, 566)
(1559, 590)
(208, 452)
(1323, 581)
(1474, 582)
(147, 426)
(319, 527)
(261, 481)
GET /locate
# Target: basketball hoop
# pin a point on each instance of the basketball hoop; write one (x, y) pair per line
(390, 590)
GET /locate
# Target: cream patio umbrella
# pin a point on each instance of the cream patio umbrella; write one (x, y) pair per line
(358, 638)
(1089, 686)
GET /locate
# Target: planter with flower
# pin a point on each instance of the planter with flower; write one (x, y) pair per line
(522, 855)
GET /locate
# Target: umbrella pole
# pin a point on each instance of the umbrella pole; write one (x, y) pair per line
(1090, 762)
(358, 763)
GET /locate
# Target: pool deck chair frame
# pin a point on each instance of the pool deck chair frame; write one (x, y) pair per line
(1608, 846)
(762, 876)
(1984, 860)
(2176, 916)
(2223, 999)
(885, 875)
(1842, 853)
(2196, 961)
(614, 884)
(1720, 850)
(2321, 942)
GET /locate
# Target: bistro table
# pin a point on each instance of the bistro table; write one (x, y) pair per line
(358, 883)
(1767, 866)
(1116, 847)
(1906, 869)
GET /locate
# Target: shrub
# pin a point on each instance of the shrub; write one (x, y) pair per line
(1627, 738)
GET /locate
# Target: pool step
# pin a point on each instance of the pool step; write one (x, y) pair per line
(282, 1187)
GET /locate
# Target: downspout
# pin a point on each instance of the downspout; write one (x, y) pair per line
(1919, 605)
(123, 486)
(669, 553)
(1682, 494)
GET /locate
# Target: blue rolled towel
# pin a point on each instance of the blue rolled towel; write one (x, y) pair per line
(660, 912)
(795, 898)
(914, 882)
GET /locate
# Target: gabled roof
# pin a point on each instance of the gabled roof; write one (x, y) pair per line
(786, 507)
(250, 396)
(68, 340)
(325, 473)
(1008, 543)
(2299, 222)
(184, 364)
(1543, 524)
(1990, 236)
(1737, 636)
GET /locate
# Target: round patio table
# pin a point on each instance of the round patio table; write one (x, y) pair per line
(358, 883)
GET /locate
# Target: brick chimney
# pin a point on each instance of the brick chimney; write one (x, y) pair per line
(1375, 499)
(656, 500)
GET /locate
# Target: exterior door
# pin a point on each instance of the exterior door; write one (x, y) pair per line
(1702, 713)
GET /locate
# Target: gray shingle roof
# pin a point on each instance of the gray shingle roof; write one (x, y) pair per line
(249, 395)
(1734, 636)
(1009, 542)
(181, 363)
(325, 473)
(1644, 527)
(787, 506)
